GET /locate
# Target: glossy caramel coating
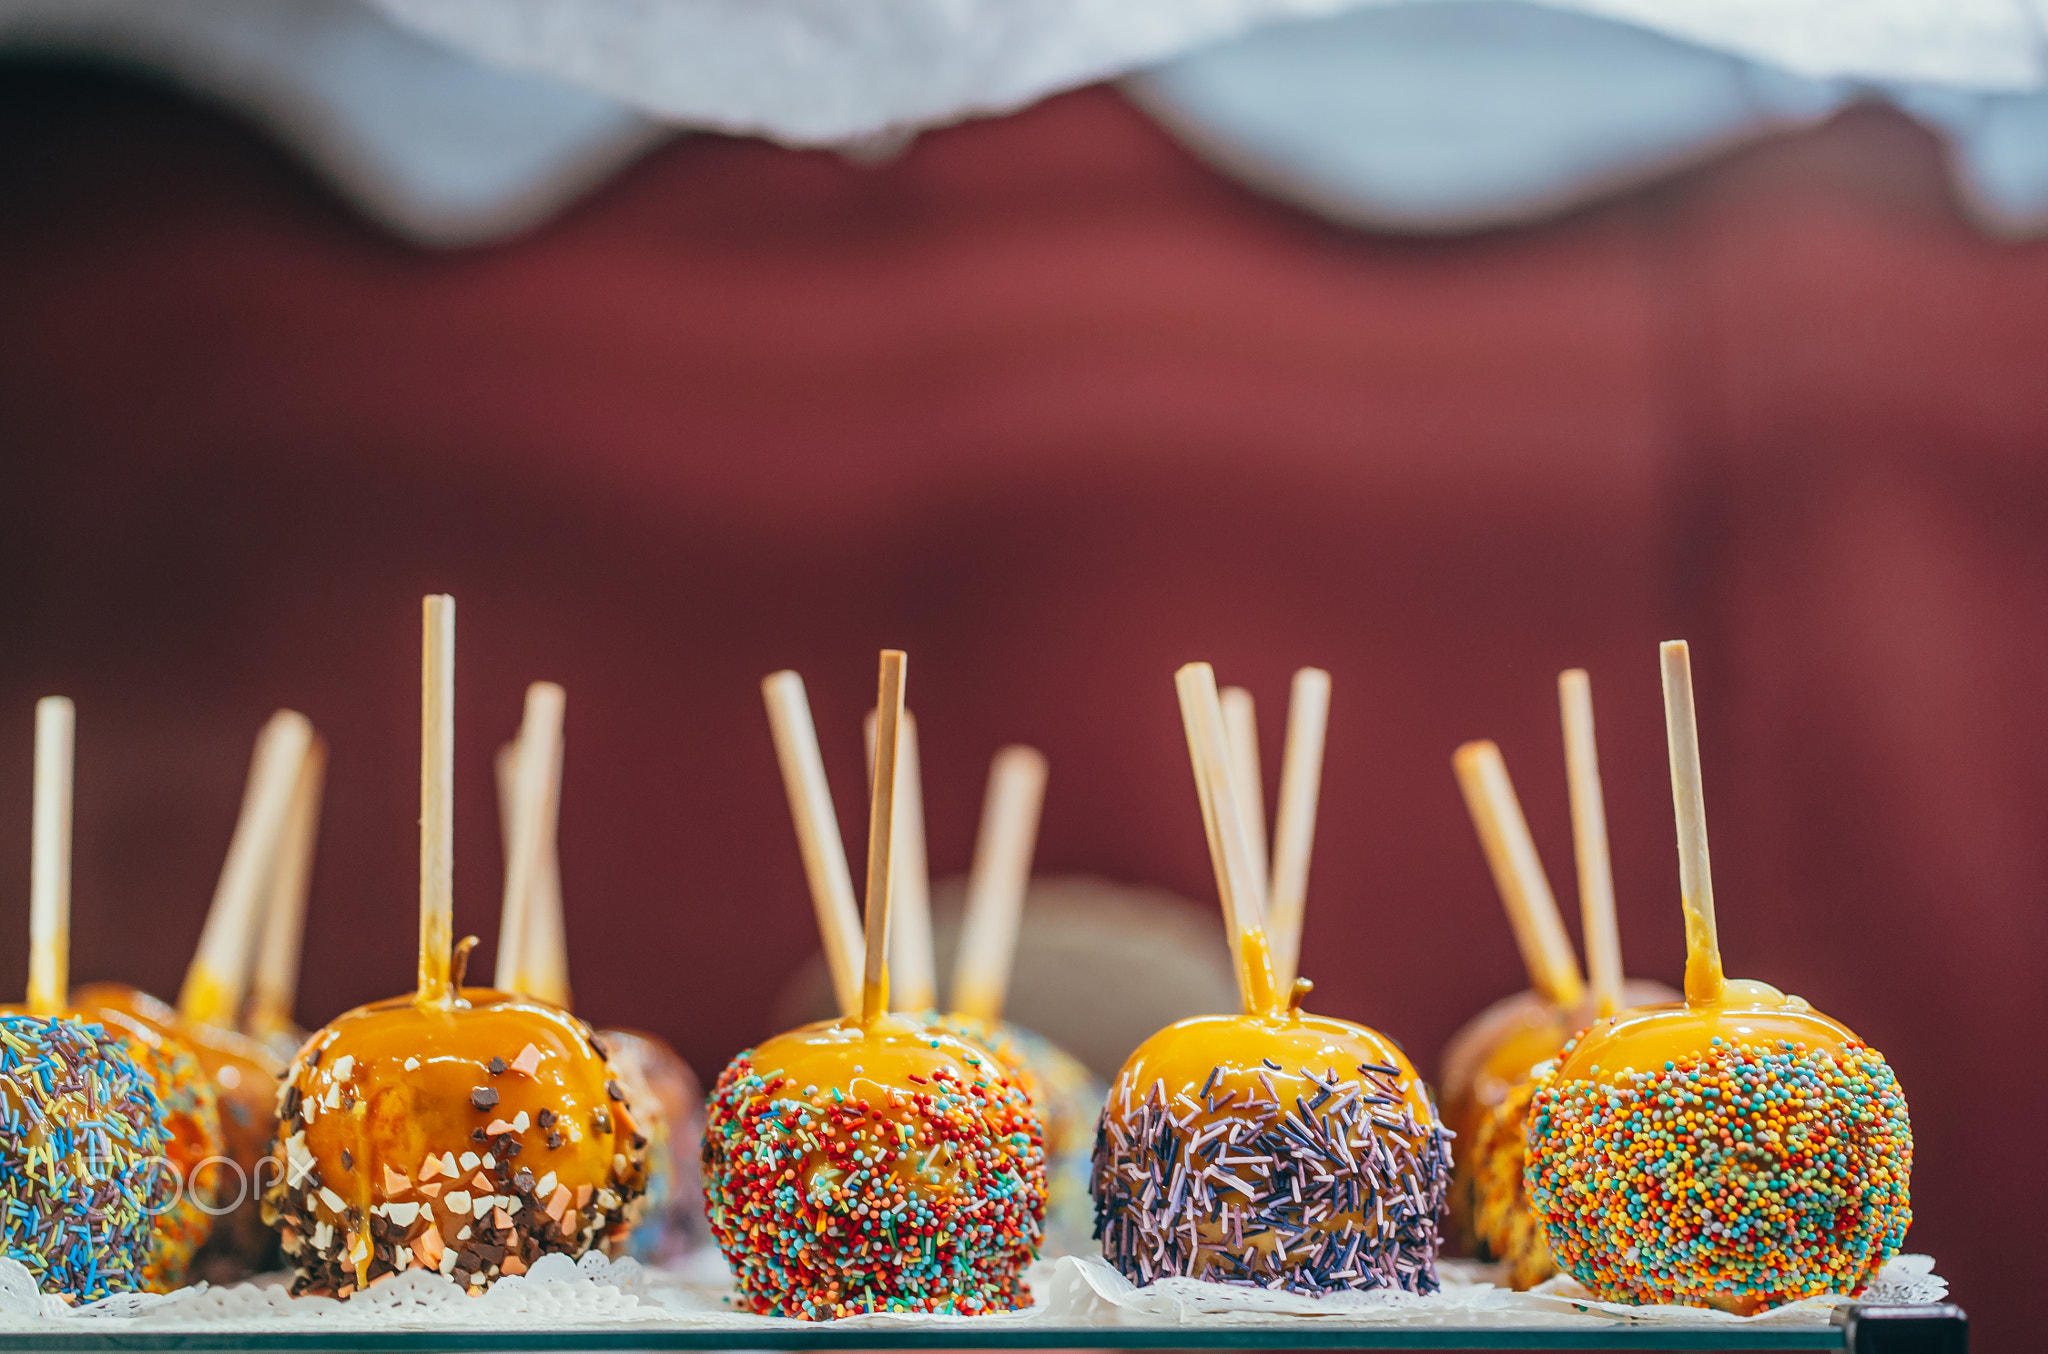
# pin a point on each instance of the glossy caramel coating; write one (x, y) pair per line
(470, 1139)
(1285, 1148)
(889, 1166)
(1645, 1038)
(244, 1074)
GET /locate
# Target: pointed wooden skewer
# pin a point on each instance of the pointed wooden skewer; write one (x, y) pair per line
(913, 967)
(996, 885)
(437, 803)
(1239, 886)
(1597, 923)
(817, 834)
(218, 977)
(540, 735)
(274, 986)
(49, 897)
(1294, 821)
(1518, 874)
(1704, 979)
(1241, 734)
(874, 986)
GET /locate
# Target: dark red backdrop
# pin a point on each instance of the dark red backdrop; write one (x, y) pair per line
(1056, 409)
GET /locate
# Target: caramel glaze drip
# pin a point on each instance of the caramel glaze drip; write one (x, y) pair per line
(1239, 1050)
(1748, 1012)
(493, 1121)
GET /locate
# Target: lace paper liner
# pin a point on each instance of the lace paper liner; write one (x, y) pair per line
(1070, 1291)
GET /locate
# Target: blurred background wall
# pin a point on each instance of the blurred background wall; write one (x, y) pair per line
(1051, 405)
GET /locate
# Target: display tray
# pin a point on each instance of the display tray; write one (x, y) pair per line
(1935, 1329)
(1079, 1302)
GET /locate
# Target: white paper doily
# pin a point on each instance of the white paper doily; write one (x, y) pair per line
(1069, 1291)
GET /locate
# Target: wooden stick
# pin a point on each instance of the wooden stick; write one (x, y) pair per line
(437, 802)
(1518, 874)
(1597, 924)
(874, 984)
(913, 968)
(996, 885)
(817, 833)
(1241, 732)
(1238, 885)
(49, 889)
(218, 976)
(274, 986)
(547, 931)
(1704, 978)
(544, 949)
(1294, 826)
(505, 770)
(540, 738)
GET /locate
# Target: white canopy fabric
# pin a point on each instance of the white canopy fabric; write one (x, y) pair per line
(458, 121)
(426, 139)
(814, 72)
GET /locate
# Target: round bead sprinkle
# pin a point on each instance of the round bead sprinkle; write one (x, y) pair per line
(1742, 1177)
(826, 1205)
(81, 1140)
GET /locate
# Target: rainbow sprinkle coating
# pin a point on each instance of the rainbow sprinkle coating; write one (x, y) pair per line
(826, 1206)
(1743, 1177)
(81, 1138)
(1500, 1207)
(1344, 1189)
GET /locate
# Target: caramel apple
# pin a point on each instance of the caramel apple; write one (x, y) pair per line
(871, 1163)
(82, 1134)
(462, 1130)
(1736, 1150)
(1271, 1148)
